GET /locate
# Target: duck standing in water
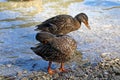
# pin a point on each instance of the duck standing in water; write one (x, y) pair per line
(63, 24)
(55, 49)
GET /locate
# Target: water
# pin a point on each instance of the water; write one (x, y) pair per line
(18, 20)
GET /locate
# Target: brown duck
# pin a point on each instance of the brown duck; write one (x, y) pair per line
(63, 24)
(55, 49)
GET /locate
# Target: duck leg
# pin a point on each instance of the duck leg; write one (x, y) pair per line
(62, 69)
(50, 71)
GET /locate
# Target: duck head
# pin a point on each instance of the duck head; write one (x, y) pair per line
(82, 17)
(44, 37)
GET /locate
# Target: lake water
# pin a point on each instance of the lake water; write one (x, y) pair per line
(19, 18)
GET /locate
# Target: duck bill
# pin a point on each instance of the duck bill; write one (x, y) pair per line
(87, 25)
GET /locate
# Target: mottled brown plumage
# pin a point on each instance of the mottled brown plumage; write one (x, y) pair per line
(56, 49)
(63, 24)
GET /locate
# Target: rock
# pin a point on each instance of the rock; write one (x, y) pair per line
(116, 70)
(24, 78)
(19, 73)
(1, 77)
(117, 77)
(25, 72)
(79, 70)
(106, 73)
(80, 73)
(45, 78)
(7, 78)
(103, 55)
(8, 65)
(109, 56)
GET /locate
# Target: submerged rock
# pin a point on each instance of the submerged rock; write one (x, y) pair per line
(25, 72)
(8, 65)
(7, 78)
(109, 56)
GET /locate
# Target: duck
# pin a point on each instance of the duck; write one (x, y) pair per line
(63, 24)
(54, 48)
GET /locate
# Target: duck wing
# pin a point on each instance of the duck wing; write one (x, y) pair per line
(58, 24)
(46, 51)
(65, 44)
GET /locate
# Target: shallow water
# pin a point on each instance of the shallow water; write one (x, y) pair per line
(18, 20)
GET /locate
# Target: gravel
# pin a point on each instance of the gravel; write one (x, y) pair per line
(82, 70)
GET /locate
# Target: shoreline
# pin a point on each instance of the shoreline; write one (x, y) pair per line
(108, 69)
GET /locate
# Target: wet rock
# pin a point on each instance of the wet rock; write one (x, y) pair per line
(1, 77)
(7, 78)
(25, 72)
(8, 65)
(116, 70)
(110, 68)
(109, 56)
(24, 78)
(111, 62)
(103, 55)
(106, 73)
(105, 70)
(56, 75)
(80, 73)
(117, 77)
(19, 73)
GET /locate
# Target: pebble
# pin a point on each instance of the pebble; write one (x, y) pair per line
(19, 73)
(116, 70)
(9, 65)
(109, 56)
(25, 72)
(24, 78)
(106, 73)
(80, 73)
(1, 77)
(103, 55)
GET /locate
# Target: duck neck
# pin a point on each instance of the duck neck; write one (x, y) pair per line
(77, 22)
(78, 19)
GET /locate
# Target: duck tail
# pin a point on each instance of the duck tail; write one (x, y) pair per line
(35, 50)
(42, 27)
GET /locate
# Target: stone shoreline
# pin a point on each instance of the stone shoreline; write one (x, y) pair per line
(108, 69)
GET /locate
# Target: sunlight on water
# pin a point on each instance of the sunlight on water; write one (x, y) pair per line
(28, 9)
(18, 19)
(24, 9)
(10, 5)
(60, 3)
